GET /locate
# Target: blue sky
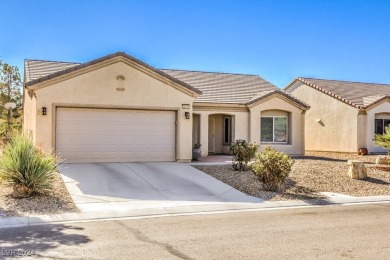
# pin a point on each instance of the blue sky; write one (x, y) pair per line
(278, 40)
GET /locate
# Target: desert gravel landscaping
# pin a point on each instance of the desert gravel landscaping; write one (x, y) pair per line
(311, 174)
(59, 201)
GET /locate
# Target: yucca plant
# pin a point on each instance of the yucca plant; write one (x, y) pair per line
(26, 168)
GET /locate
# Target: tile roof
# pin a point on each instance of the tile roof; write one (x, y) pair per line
(223, 87)
(35, 69)
(357, 94)
(215, 87)
(371, 99)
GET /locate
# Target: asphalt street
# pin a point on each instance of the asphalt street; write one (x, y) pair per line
(328, 232)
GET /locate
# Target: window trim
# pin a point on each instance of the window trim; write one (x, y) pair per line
(383, 125)
(273, 130)
(230, 131)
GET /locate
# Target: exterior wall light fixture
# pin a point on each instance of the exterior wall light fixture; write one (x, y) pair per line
(44, 111)
(187, 115)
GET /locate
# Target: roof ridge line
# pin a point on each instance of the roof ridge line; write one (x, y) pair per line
(57, 61)
(347, 81)
(215, 72)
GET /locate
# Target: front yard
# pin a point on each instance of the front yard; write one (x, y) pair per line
(58, 201)
(311, 174)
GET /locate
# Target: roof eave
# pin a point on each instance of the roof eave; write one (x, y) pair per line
(375, 103)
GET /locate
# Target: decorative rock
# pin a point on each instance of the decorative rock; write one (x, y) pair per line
(382, 159)
(357, 170)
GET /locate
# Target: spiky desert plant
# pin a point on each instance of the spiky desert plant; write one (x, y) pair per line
(26, 168)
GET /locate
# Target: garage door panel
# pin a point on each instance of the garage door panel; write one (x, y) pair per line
(102, 135)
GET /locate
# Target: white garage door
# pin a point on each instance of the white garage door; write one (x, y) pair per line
(108, 135)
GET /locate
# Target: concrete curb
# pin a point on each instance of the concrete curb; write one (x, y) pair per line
(184, 210)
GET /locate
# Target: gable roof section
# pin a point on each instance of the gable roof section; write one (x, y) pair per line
(39, 72)
(357, 94)
(214, 87)
(264, 94)
(223, 87)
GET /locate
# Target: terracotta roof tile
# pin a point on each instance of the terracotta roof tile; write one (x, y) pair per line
(216, 87)
(223, 87)
(357, 94)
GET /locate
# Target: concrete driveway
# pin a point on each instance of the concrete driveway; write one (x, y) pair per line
(123, 186)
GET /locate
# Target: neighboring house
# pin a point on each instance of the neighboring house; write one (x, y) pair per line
(344, 116)
(118, 108)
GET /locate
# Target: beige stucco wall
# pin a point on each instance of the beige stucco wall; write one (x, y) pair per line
(98, 88)
(362, 130)
(379, 111)
(278, 106)
(339, 129)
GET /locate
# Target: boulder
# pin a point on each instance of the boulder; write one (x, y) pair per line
(357, 170)
(382, 159)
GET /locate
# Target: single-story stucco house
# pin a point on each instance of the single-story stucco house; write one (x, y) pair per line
(343, 115)
(120, 109)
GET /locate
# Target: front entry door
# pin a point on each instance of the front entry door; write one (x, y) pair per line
(211, 135)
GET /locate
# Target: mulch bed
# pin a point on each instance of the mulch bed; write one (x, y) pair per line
(311, 174)
(58, 201)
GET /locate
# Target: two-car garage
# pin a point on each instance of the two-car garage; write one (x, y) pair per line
(115, 135)
(112, 109)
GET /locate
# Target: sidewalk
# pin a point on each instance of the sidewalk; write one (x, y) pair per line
(333, 199)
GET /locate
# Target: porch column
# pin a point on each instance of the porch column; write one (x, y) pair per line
(254, 125)
(204, 133)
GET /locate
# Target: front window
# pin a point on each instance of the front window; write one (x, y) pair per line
(380, 125)
(273, 129)
(227, 130)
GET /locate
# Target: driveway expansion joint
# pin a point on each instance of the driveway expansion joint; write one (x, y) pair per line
(151, 185)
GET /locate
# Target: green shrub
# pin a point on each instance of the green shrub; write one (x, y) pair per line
(26, 168)
(383, 140)
(242, 154)
(272, 168)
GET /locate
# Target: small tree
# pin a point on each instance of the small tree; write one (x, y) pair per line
(272, 168)
(383, 140)
(10, 84)
(242, 153)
